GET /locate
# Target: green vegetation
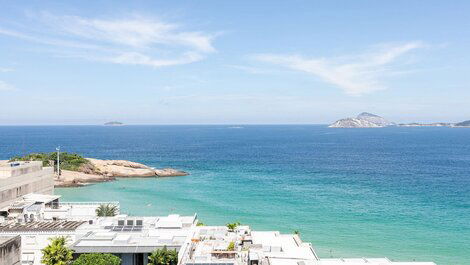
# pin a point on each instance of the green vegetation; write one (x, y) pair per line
(199, 223)
(231, 246)
(57, 253)
(97, 259)
(67, 161)
(296, 232)
(163, 257)
(106, 210)
(232, 226)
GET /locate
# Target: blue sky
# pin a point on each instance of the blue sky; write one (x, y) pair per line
(211, 62)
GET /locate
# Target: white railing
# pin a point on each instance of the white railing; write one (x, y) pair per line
(89, 203)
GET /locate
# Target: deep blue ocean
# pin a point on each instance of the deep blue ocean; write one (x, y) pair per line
(403, 193)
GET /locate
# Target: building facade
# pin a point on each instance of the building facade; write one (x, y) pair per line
(10, 250)
(21, 178)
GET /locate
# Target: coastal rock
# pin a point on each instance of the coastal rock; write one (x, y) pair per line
(77, 179)
(121, 168)
(98, 170)
(170, 172)
(363, 120)
(124, 168)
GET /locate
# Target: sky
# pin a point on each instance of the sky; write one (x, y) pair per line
(233, 62)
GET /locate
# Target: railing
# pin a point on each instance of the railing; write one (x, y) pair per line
(88, 203)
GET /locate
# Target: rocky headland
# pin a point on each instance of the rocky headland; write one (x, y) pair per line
(97, 170)
(78, 171)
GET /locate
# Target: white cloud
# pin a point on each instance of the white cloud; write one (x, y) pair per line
(6, 87)
(135, 40)
(356, 75)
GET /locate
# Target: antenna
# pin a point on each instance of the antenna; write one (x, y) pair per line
(58, 161)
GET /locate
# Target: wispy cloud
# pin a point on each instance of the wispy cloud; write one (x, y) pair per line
(356, 75)
(6, 87)
(135, 40)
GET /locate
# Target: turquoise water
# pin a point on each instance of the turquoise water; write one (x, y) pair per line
(403, 193)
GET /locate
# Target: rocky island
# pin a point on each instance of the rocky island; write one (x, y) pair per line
(363, 120)
(369, 120)
(462, 124)
(434, 124)
(113, 123)
(78, 171)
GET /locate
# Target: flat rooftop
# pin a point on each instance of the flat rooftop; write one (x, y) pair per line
(134, 234)
(41, 226)
(13, 169)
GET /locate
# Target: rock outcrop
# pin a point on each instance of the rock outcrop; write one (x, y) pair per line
(363, 120)
(98, 170)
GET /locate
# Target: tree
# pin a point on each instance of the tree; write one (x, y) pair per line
(296, 232)
(231, 246)
(67, 161)
(97, 259)
(163, 257)
(232, 226)
(57, 253)
(200, 224)
(106, 210)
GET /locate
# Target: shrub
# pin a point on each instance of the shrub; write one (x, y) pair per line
(163, 257)
(97, 259)
(231, 246)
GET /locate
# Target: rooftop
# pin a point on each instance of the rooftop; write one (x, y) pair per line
(41, 226)
(134, 234)
(4, 240)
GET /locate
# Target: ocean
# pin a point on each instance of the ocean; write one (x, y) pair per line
(398, 192)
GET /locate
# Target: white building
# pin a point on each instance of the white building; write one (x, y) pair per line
(41, 207)
(35, 236)
(20, 178)
(134, 238)
(37, 218)
(215, 245)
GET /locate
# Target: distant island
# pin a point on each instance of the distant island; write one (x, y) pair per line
(434, 124)
(114, 123)
(363, 120)
(369, 120)
(78, 171)
(463, 124)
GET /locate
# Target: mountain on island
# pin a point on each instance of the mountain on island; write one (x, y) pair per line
(463, 124)
(114, 123)
(363, 120)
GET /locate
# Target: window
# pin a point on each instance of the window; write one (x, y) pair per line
(130, 222)
(120, 222)
(139, 222)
